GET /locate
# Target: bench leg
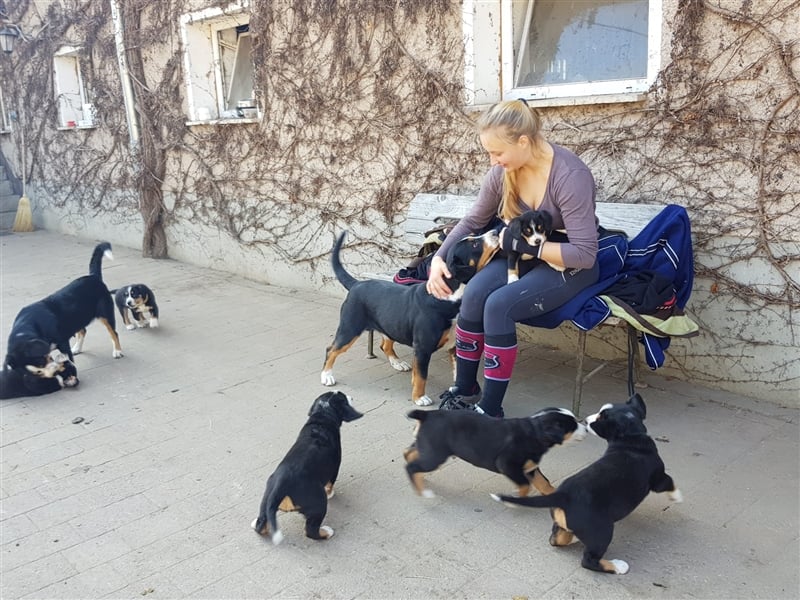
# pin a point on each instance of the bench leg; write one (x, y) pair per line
(371, 344)
(633, 359)
(578, 391)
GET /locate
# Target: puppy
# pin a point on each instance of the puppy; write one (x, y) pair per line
(405, 314)
(137, 301)
(588, 503)
(513, 447)
(67, 312)
(55, 372)
(304, 479)
(533, 227)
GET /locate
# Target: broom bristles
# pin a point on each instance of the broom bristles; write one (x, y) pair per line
(23, 221)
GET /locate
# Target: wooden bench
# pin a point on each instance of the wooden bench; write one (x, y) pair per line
(426, 210)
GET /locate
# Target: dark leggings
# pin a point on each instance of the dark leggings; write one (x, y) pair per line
(488, 320)
(496, 307)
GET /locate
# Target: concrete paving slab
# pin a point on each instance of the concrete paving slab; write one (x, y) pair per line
(152, 493)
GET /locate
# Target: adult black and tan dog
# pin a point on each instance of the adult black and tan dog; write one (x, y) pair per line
(513, 447)
(304, 479)
(405, 314)
(588, 503)
(67, 312)
(533, 227)
(58, 372)
(137, 301)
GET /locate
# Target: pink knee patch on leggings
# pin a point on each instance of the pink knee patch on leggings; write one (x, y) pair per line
(469, 345)
(499, 362)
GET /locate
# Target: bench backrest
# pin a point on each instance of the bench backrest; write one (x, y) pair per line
(427, 209)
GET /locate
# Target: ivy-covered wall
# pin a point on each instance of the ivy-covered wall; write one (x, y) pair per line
(363, 107)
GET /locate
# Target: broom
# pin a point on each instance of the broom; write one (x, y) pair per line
(23, 221)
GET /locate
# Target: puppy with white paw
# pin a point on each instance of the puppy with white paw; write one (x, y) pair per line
(139, 302)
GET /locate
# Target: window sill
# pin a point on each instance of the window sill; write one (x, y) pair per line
(76, 127)
(240, 121)
(584, 100)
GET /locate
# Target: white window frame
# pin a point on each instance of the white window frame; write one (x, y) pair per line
(489, 64)
(74, 109)
(206, 93)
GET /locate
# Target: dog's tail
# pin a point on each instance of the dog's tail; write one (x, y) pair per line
(267, 520)
(554, 500)
(419, 415)
(96, 264)
(343, 276)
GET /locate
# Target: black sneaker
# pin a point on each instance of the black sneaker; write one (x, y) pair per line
(452, 399)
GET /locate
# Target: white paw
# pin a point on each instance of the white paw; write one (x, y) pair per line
(277, 537)
(620, 565)
(513, 278)
(423, 401)
(117, 354)
(141, 324)
(327, 530)
(130, 327)
(76, 349)
(253, 524)
(331, 494)
(399, 365)
(676, 496)
(153, 322)
(426, 493)
(326, 378)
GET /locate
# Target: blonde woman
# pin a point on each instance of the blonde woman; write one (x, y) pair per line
(527, 173)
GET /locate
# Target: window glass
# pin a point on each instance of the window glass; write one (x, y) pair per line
(558, 41)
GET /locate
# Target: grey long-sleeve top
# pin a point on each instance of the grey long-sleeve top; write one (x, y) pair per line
(569, 198)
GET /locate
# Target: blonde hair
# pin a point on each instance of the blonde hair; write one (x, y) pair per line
(509, 120)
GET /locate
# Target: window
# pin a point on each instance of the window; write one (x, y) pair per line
(219, 66)
(563, 51)
(74, 110)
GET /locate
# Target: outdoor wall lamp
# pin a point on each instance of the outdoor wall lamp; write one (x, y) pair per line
(8, 36)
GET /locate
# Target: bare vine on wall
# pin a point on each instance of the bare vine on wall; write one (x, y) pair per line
(363, 108)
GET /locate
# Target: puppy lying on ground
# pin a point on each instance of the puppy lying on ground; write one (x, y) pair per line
(137, 301)
(405, 314)
(528, 232)
(513, 447)
(67, 312)
(304, 479)
(54, 372)
(588, 504)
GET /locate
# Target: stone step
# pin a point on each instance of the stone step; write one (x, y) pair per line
(8, 202)
(7, 220)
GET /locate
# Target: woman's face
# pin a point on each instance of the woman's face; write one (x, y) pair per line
(510, 156)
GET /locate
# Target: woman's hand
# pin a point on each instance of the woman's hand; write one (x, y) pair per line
(436, 285)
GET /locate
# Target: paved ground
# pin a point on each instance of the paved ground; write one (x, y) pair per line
(152, 494)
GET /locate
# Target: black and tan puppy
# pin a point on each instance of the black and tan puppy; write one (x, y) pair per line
(405, 314)
(304, 479)
(137, 301)
(533, 227)
(588, 503)
(55, 372)
(67, 312)
(513, 447)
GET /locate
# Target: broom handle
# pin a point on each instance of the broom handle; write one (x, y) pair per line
(24, 164)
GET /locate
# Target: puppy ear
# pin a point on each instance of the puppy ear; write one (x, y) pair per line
(636, 402)
(37, 348)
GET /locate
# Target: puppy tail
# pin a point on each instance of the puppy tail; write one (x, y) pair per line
(554, 500)
(419, 415)
(347, 280)
(96, 264)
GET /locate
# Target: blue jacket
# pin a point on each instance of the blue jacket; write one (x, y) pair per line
(664, 245)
